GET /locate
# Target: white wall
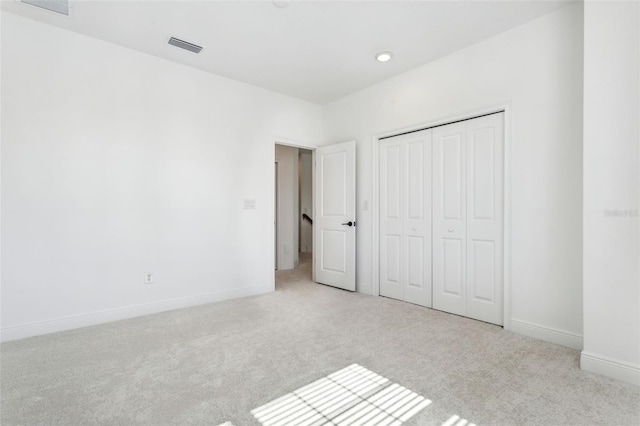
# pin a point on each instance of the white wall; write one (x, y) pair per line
(287, 158)
(306, 202)
(536, 69)
(115, 163)
(612, 189)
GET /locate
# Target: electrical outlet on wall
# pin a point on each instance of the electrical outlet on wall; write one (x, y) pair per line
(148, 277)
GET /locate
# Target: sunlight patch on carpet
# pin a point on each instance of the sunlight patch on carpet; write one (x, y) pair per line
(457, 421)
(351, 396)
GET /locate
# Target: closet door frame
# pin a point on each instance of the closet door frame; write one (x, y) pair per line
(375, 201)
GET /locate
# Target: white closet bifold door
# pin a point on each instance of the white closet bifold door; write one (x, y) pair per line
(405, 218)
(441, 218)
(468, 218)
(449, 218)
(485, 164)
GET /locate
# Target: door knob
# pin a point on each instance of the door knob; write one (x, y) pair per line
(350, 223)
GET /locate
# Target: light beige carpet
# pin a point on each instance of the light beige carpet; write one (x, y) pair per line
(216, 363)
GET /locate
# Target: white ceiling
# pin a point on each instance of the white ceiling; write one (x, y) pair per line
(319, 51)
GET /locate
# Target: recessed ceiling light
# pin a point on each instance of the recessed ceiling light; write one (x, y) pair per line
(384, 56)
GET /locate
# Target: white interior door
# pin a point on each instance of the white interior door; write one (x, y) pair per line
(405, 218)
(468, 218)
(449, 218)
(335, 218)
(485, 164)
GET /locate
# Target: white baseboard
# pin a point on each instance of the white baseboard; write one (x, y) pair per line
(101, 317)
(613, 368)
(548, 334)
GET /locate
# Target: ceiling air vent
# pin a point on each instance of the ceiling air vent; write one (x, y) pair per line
(57, 6)
(185, 45)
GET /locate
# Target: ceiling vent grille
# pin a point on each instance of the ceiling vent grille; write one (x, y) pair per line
(185, 45)
(57, 6)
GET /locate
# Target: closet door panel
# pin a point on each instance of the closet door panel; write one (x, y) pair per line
(449, 218)
(405, 218)
(451, 170)
(452, 266)
(416, 261)
(415, 168)
(485, 141)
(417, 222)
(482, 274)
(391, 213)
(391, 276)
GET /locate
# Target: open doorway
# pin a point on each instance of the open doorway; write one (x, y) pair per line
(331, 253)
(293, 210)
